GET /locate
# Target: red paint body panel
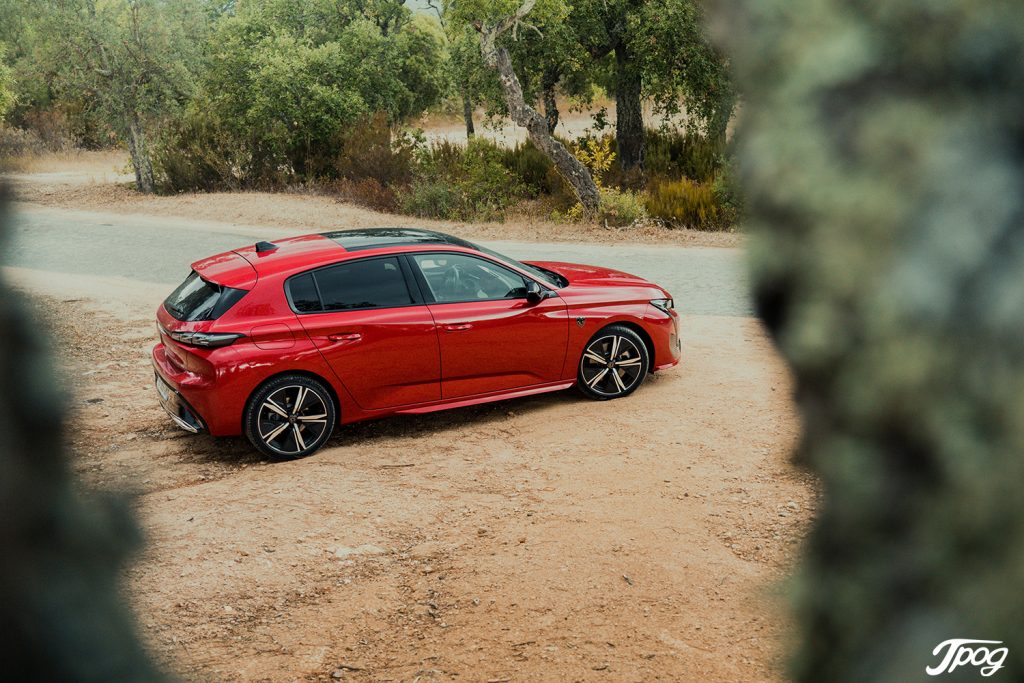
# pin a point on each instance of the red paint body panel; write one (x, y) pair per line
(489, 346)
(385, 358)
(408, 359)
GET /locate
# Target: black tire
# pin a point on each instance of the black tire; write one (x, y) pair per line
(280, 431)
(626, 351)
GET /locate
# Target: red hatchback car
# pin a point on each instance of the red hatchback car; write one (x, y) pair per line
(282, 341)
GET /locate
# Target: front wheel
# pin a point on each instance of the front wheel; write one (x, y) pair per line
(290, 417)
(614, 364)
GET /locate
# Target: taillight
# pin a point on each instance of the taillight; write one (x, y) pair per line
(205, 339)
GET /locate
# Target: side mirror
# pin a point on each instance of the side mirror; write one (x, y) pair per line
(534, 294)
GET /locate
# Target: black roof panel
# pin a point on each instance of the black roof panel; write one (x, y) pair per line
(375, 238)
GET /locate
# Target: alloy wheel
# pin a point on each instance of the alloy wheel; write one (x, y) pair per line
(291, 419)
(612, 365)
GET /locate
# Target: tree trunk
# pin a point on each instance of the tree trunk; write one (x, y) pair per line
(467, 113)
(574, 172)
(629, 114)
(550, 80)
(141, 161)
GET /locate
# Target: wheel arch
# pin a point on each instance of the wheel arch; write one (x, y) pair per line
(302, 373)
(640, 331)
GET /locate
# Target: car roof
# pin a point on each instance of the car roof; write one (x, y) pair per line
(293, 254)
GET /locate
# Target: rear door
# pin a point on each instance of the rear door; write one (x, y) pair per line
(372, 329)
(492, 338)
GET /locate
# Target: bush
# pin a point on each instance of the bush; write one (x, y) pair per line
(672, 154)
(456, 183)
(198, 153)
(368, 192)
(16, 143)
(687, 203)
(533, 168)
(620, 208)
(369, 152)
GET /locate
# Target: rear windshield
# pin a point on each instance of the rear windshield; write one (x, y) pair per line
(199, 299)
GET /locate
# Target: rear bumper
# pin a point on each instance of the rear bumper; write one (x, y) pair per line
(168, 383)
(180, 412)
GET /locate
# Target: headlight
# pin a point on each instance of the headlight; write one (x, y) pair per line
(665, 305)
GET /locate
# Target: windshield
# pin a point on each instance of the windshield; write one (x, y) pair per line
(548, 277)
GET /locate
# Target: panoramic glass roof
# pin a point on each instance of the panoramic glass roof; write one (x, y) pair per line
(373, 238)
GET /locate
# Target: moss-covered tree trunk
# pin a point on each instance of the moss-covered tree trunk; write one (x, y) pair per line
(883, 152)
(629, 112)
(60, 554)
(497, 57)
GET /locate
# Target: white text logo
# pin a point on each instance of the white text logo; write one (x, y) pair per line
(963, 651)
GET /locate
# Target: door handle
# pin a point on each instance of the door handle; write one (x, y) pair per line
(345, 337)
(458, 327)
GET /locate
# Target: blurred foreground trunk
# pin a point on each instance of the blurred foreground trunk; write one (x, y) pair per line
(882, 146)
(60, 555)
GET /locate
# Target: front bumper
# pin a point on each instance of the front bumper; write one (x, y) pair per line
(664, 330)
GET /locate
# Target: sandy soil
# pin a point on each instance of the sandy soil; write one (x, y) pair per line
(94, 181)
(543, 539)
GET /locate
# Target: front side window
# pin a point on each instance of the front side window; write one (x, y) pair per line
(371, 283)
(459, 277)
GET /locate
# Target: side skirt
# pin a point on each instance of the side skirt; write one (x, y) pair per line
(464, 401)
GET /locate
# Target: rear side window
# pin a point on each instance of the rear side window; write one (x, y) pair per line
(303, 293)
(370, 283)
(199, 299)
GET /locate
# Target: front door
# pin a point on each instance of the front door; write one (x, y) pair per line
(492, 338)
(380, 341)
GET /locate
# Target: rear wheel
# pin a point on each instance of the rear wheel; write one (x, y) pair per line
(290, 417)
(613, 364)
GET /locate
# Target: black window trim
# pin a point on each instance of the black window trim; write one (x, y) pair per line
(410, 284)
(428, 295)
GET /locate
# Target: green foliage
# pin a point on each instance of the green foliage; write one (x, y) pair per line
(7, 97)
(686, 203)
(620, 208)
(535, 170)
(368, 150)
(462, 183)
(197, 152)
(671, 154)
(287, 81)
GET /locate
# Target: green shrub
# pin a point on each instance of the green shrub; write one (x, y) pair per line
(620, 208)
(197, 153)
(672, 154)
(532, 167)
(429, 198)
(368, 151)
(368, 192)
(462, 183)
(686, 203)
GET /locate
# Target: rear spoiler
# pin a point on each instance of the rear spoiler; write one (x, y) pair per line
(229, 269)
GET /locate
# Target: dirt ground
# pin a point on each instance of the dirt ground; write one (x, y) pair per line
(550, 538)
(96, 181)
(544, 539)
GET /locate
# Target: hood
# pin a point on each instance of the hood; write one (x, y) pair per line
(582, 275)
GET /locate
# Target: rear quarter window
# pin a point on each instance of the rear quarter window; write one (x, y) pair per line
(199, 299)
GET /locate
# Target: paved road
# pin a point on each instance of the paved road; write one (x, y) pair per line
(704, 281)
